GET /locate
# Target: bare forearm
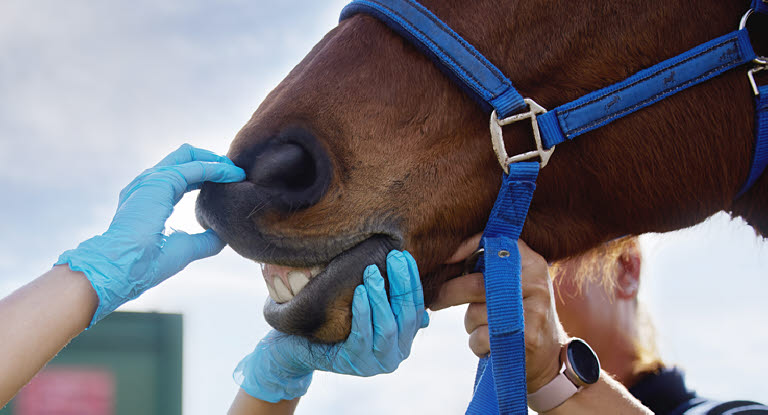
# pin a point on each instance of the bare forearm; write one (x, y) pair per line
(607, 396)
(37, 321)
(245, 404)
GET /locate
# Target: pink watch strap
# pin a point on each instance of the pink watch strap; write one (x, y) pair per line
(552, 395)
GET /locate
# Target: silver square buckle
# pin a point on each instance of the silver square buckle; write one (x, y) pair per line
(497, 137)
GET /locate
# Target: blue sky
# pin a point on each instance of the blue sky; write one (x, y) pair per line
(91, 93)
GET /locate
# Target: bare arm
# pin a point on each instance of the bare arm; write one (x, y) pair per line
(607, 396)
(245, 404)
(37, 321)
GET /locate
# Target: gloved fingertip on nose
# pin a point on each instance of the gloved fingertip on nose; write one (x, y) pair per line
(425, 320)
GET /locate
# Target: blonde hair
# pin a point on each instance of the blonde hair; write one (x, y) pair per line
(599, 266)
(596, 265)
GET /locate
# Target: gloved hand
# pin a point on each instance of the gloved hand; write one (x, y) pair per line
(134, 255)
(281, 366)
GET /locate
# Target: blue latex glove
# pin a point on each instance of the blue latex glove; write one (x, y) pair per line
(281, 366)
(134, 255)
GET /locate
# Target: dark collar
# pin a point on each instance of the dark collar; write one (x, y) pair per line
(662, 391)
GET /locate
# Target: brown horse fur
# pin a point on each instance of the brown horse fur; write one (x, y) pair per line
(409, 149)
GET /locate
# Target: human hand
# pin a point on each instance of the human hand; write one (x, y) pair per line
(281, 366)
(134, 255)
(544, 334)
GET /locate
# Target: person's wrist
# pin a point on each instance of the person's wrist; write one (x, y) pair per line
(272, 372)
(88, 300)
(274, 388)
(549, 372)
(97, 270)
(579, 367)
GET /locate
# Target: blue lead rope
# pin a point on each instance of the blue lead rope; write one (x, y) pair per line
(504, 298)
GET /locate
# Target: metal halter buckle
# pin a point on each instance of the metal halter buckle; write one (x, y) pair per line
(497, 137)
(761, 63)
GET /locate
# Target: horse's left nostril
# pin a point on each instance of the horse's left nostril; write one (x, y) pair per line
(285, 166)
(290, 171)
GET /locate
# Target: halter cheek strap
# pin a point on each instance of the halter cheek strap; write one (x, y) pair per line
(500, 384)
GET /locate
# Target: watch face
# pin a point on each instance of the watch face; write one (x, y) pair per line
(583, 361)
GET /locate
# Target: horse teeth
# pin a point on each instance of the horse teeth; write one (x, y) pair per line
(315, 270)
(282, 292)
(297, 281)
(272, 292)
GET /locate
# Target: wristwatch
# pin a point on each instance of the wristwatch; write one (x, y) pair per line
(580, 367)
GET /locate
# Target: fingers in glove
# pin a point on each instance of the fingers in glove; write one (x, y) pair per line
(468, 288)
(197, 172)
(360, 341)
(182, 248)
(184, 154)
(416, 289)
(417, 292)
(187, 153)
(166, 185)
(384, 325)
(404, 308)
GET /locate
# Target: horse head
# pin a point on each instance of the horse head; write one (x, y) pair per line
(366, 147)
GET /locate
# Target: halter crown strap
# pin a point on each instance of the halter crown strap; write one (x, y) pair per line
(454, 55)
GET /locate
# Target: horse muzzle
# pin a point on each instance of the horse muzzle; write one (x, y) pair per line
(310, 278)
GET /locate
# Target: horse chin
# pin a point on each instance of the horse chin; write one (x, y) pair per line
(321, 309)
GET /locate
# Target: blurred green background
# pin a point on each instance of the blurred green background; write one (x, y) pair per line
(128, 364)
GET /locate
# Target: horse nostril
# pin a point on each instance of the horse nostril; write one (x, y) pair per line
(285, 166)
(291, 171)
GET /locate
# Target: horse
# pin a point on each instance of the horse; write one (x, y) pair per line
(366, 147)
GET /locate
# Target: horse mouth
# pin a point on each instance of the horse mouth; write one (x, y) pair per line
(315, 301)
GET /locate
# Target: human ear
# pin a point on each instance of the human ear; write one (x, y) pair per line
(628, 278)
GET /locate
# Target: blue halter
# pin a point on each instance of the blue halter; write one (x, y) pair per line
(500, 385)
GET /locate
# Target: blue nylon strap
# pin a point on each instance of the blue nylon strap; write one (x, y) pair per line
(454, 55)
(646, 87)
(504, 297)
(760, 6)
(760, 152)
(484, 399)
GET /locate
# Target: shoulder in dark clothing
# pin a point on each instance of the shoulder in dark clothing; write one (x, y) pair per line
(664, 392)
